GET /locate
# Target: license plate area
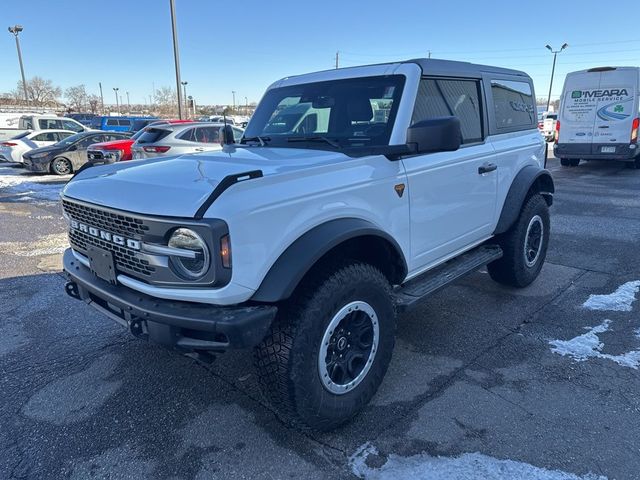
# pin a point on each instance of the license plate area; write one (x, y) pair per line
(101, 263)
(608, 149)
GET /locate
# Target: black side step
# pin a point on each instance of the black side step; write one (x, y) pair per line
(415, 290)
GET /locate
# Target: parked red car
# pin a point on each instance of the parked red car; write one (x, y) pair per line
(119, 150)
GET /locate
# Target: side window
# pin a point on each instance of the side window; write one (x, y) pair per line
(124, 123)
(73, 126)
(84, 143)
(208, 134)
(62, 135)
(44, 137)
(112, 122)
(451, 98)
(189, 135)
(514, 105)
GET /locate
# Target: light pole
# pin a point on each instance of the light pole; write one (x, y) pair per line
(246, 106)
(115, 90)
(233, 92)
(176, 56)
(184, 91)
(101, 98)
(128, 103)
(16, 29)
(553, 68)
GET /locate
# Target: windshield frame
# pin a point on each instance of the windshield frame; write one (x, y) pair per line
(330, 140)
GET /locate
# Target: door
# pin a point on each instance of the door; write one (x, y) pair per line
(452, 195)
(45, 139)
(578, 111)
(615, 110)
(78, 155)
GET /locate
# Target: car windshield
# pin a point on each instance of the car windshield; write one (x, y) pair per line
(72, 139)
(333, 114)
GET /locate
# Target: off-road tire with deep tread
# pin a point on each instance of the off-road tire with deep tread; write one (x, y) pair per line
(287, 359)
(512, 269)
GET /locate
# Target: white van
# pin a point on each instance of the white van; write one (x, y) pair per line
(598, 117)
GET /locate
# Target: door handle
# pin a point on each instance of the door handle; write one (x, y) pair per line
(199, 149)
(487, 167)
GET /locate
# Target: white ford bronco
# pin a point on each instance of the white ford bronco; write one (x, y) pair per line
(354, 194)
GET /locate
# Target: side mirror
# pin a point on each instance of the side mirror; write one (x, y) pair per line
(436, 135)
(226, 137)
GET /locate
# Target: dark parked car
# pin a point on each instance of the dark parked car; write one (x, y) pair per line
(83, 118)
(68, 155)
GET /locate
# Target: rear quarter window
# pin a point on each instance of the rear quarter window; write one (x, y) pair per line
(514, 105)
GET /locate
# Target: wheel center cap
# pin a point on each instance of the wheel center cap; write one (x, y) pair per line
(342, 343)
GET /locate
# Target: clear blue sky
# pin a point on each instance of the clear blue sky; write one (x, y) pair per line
(244, 46)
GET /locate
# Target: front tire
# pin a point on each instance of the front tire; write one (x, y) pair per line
(329, 348)
(61, 166)
(524, 245)
(565, 162)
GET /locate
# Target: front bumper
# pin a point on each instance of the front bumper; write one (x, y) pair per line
(36, 166)
(186, 326)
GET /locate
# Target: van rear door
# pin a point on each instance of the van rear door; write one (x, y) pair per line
(578, 112)
(616, 107)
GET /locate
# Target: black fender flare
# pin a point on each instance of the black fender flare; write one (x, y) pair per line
(530, 176)
(299, 257)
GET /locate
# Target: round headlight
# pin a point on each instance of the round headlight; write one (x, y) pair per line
(191, 267)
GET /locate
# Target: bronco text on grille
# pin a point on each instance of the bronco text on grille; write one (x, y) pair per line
(110, 231)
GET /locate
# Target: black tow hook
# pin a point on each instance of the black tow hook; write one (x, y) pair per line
(72, 290)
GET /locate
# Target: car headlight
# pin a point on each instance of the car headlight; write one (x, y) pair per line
(113, 155)
(191, 267)
(40, 155)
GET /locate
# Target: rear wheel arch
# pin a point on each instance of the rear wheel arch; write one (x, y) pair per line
(529, 181)
(335, 240)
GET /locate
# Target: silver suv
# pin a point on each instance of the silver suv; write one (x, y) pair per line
(180, 138)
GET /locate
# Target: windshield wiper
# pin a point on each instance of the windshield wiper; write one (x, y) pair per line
(317, 138)
(262, 140)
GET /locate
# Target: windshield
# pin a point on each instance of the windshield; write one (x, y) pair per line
(349, 113)
(72, 139)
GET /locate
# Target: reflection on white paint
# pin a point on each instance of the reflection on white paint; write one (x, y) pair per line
(618, 301)
(588, 345)
(468, 466)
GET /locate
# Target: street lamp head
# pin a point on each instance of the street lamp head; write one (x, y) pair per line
(564, 45)
(184, 82)
(15, 29)
(549, 48)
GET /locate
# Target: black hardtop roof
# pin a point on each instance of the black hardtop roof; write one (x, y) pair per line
(436, 66)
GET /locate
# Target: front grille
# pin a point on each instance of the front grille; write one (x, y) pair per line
(111, 222)
(95, 155)
(125, 259)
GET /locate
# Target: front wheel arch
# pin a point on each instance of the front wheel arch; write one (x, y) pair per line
(51, 165)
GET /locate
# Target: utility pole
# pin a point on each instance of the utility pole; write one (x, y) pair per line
(337, 59)
(128, 103)
(186, 101)
(115, 89)
(176, 55)
(246, 106)
(233, 92)
(101, 98)
(16, 29)
(553, 69)
(429, 54)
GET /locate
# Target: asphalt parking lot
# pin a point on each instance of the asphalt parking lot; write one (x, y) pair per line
(486, 381)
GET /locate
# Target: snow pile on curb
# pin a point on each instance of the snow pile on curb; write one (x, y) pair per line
(618, 301)
(468, 466)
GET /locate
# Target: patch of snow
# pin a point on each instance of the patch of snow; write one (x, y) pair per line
(28, 187)
(468, 466)
(588, 345)
(618, 301)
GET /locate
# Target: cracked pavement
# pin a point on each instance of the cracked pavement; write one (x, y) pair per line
(473, 370)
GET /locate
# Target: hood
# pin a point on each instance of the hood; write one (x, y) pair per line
(113, 144)
(49, 149)
(177, 186)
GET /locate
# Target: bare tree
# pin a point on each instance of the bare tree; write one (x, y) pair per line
(93, 101)
(165, 99)
(76, 97)
(41, 92)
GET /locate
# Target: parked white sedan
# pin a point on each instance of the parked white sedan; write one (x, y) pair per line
(12, 150)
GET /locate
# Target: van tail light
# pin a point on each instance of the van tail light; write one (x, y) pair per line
(151, 149)
(634, 130)
(8, 144)
(557, 131)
